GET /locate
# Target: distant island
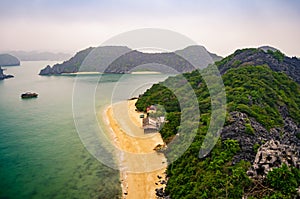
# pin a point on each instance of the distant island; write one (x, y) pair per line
(39, 56)
(8, 60)
(121, 59)
(3, 76)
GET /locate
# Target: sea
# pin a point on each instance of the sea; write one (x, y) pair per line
(42, 154)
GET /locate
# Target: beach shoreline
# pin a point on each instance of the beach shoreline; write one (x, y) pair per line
(81, 73)
(145, 73)
(136, 184)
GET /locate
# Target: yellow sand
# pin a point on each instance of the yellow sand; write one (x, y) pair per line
(137, 185)
(145, 72)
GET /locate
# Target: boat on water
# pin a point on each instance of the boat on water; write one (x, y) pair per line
(29, 95)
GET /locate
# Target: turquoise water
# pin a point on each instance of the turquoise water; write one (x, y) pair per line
(41, 155)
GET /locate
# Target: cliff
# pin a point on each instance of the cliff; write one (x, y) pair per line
(8, 60)
(70, 66)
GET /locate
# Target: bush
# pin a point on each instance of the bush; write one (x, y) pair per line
(283, 179)
(249, 130)
(277, 55)
(256, 147)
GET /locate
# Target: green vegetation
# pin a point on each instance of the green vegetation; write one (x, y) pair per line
(230, 57)
(256, 147)
(255, 90)
(284, 180)
(212, 177)
(277, 55)
(249, 129)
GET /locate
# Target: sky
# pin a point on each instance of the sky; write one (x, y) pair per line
(222, 26)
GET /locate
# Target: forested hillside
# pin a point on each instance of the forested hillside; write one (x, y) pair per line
(263, 108)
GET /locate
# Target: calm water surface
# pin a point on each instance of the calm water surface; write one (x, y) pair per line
(41, 155)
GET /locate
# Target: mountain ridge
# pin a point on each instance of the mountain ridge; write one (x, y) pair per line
(276, 60)
(39, 56)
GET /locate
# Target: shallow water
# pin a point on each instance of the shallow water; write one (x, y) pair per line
(41, 154)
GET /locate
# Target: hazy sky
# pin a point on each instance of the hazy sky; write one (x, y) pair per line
(220, 25)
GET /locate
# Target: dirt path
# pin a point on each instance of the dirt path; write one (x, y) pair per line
(136, 154)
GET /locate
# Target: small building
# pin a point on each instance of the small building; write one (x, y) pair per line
(151, 109)
(152, 125)
(149, 125)
(150, 129)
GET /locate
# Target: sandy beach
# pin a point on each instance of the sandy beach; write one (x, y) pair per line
(82, 73)
(139, 164)
(145, 72)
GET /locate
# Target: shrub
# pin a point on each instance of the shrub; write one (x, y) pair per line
(283, 179)
(249, 130)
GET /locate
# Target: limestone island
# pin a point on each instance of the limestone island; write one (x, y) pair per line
(3, 76)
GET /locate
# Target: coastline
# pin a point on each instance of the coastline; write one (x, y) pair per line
(145, 73)
(135, 183)
(82, 73)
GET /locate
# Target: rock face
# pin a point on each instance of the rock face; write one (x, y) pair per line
(267, 48)
(88, 60)
(258, 135)
(70, 66)
(262, 56)
(8, 60)
(271, 155)
(120, 59)
(3, 76)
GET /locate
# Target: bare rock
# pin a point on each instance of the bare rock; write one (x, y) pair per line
(271, 155)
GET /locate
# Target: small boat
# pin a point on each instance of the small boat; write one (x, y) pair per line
(29, 95)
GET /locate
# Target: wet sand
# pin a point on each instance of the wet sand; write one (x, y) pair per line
(139, 164)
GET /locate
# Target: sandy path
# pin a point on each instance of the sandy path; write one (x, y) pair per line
(136, 183)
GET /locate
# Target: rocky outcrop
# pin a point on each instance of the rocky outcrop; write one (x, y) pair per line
(3, 76)
(272, 155)
(160, 192)
(70, 66)
(8, 60)
(255, 57)
(250, 134)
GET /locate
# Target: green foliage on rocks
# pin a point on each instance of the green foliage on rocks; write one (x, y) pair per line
(264, 95)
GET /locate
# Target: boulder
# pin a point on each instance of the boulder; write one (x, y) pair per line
(286, 135)
(273, 154)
